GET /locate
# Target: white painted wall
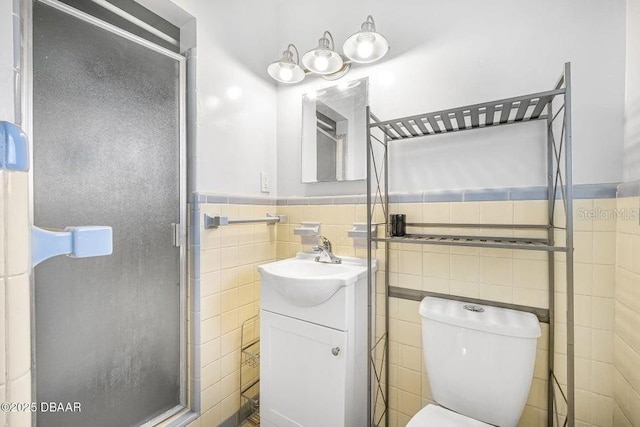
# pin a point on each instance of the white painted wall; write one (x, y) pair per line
(448, 54)
(236, 97)
(632, 98)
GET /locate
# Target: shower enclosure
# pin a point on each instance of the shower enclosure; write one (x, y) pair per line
(108, 149)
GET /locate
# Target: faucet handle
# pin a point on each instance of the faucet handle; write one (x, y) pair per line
(317, 248)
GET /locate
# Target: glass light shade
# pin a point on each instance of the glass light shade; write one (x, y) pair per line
(365, 47)
(286, 71)
(322, 60)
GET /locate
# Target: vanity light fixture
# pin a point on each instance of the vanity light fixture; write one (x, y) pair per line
(285, 70)
(367, 45)
(363, 47)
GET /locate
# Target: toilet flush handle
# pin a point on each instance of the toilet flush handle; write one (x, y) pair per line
(335, 351)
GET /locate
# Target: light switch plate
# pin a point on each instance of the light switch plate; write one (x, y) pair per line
(265, 185)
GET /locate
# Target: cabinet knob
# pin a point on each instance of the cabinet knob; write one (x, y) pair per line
(335, 351)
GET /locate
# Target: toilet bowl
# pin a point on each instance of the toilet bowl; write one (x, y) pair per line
(479, 362)
(437, 416)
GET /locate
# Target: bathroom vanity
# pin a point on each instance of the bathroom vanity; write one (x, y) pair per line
(313, 332)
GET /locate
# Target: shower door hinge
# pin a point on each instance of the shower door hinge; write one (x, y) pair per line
(178, 239)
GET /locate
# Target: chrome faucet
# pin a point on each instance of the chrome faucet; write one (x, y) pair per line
(325, 252)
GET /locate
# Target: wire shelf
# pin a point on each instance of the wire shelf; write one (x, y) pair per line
(253, 419)
(251, 359)
(494, 113)
(249, 364)
(474, 241)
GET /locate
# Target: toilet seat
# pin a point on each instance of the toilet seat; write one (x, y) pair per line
(437, 416)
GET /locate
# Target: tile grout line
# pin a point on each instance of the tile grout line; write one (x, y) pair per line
(5, 215)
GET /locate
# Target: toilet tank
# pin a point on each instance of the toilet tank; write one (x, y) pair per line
(479, 358)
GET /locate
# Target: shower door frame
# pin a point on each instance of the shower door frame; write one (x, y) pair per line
(180, 238)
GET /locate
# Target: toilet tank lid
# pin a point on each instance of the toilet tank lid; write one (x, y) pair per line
(501, 321)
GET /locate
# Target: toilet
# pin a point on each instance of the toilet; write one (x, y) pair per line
(479, 363)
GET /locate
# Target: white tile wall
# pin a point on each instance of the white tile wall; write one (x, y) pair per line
(626, 341)
(230, 292)
(15, 298)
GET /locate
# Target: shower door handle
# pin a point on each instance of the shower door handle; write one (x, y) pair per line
(176, 234)
(76, 242)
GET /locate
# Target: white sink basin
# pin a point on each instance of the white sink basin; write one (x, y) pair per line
(306, 283)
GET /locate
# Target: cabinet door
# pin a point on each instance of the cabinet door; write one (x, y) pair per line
(303, 382)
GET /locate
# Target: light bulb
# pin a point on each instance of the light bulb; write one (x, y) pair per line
(321, 63)
(365, 45)
(286, 73)
(285, 70)
(365, 49)
(323, 60)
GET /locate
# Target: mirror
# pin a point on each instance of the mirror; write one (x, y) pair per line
(334, 133)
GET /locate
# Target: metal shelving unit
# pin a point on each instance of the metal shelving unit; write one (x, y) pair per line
(249, 366)
(533, 107)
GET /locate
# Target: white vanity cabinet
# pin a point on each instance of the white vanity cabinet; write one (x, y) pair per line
(313, 359)
(304, 373)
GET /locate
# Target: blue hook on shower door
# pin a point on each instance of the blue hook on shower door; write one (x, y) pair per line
(77, 242)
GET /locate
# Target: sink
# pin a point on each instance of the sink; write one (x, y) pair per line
(306, 283)
(304, 269)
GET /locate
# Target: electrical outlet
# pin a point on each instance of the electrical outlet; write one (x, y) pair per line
(265, 186)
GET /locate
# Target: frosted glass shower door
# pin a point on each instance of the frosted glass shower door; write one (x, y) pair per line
(107, 150)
